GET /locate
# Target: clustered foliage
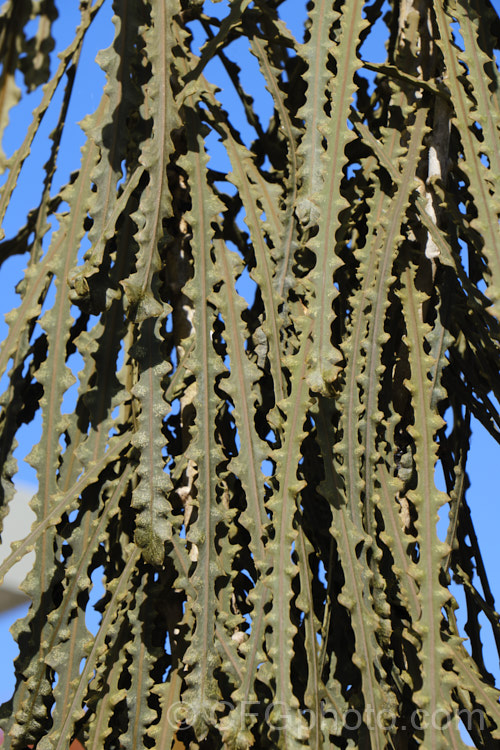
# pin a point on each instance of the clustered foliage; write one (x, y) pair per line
(278, 345)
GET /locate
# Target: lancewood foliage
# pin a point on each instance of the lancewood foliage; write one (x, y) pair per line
(283, 326)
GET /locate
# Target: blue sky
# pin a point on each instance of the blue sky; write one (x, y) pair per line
(485, 454)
